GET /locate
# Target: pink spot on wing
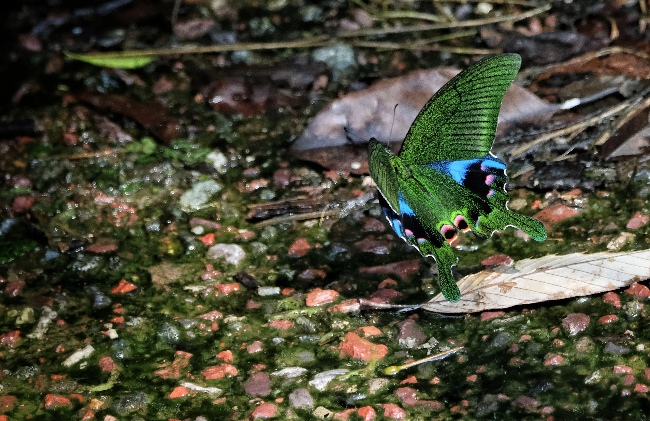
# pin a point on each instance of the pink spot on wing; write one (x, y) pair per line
(489, 179)
(484, 168)
(408, 232)
(421, 240)
(445, 230)
(490, 193)
(461, 223)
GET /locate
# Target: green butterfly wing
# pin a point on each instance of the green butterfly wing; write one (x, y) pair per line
(460, 120)
(445, 180)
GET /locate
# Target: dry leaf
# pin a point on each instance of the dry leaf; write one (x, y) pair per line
(371, 112)
(546, 279)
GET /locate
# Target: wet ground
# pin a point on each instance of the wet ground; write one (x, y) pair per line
(164, 255)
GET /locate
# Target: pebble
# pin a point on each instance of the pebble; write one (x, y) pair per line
(339, 58)
(356, 347)
(637, 221)
(321, 380)
(259, 384)
(556, 213)
(575, 323)
(318, 297)
(198, 195)
(79, 355)
(230, 253)
(612, 348)
(410, 334)
(169, 334)
(137, 401)
(265, 410)
(301, 398)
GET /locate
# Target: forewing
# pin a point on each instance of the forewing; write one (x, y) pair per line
(383, 172)
(460, 120)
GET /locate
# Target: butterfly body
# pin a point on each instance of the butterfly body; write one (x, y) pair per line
(445, 180)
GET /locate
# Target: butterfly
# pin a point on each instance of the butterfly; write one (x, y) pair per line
(445, 180)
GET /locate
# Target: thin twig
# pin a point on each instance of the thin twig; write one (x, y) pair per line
(634, 109)
(400, 46)
(437, 26)
(407, 14)
(582, 125)
(298, 217)
(508, 2)
(534, 71)
(325, 40)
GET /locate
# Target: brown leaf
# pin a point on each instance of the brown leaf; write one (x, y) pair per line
(372, 113)
(152, 115)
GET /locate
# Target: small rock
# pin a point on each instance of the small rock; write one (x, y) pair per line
(290, 372)
(367, 413)
(299, 248)
(357, 347)
(374, 385)
(575, 323)
(133, 402)
(612, 348)
(259, 384)
(107, 364)
(501, 340)
(22, 204)
(612, 298)
(255, 347)
(311, 275)
(79, 355)
(393, 411)
(230, 253)
(373, 225)
(169, 334)
(220, 371)
(637, 221)
(403, 269)
(340, 59)
(199, 195)
(498, 260)
(622, 369)
(321, 380)
(410, 334)
(265, 410)
(527, 403)
(639, 291)
(621, 241)
(123, 287)
(554, 359)
(374, 246)
(14, 288)
(607, 319)
(300, 398)
(322, 413)
(179, 392)
(56, 401)
(555, 213)
(319, 297)
(488, 315)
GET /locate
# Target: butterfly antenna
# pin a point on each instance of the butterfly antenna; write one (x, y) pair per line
(390, 133)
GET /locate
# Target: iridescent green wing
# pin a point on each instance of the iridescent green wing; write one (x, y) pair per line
(460, 120)
(445, 180)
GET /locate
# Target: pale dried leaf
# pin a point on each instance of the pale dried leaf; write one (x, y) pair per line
(546, 279)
